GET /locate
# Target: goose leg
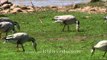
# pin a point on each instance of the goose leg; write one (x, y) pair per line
(17, 47)
(104, 53)
(18, 42)
(64, 27)
(6, 34)
(14, 31)
(0, 35)
(22, 47)
(68, 28)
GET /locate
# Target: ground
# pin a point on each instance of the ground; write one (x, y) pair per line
(53, 44)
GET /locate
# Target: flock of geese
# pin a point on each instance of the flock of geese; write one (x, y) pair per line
(7, 25)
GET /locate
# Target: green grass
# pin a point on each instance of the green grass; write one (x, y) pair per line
(94, 4)
(54, 44)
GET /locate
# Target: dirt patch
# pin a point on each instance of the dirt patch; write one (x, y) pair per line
(80, 38)
(74, 38)
(56, 39)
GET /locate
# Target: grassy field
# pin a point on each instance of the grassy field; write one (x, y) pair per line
(54, 44)
(94, 4)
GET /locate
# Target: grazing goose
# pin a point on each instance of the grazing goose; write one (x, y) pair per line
(105, 18)
(101, 45)
(20, 38)
(6, 27)
(67, 20)
(6, 19)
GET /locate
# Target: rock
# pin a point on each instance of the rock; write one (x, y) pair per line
(16, 10)
(62, 9)
(13, 6)
(23, 7)
(32, 10)
(6, 11)
(24, 11)
(93, 9)
(85, 9)
(5, 6)
(52, 6)
(103, 10)
(30, 7)
(3, 2)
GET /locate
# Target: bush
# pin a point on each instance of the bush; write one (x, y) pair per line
(94, 0)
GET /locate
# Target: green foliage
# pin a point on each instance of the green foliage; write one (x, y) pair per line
(94, 4)
(54, 44)
(95, 0)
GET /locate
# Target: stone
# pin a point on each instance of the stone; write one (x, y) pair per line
(13, 6)
(6, 11)
(16, 10)
(30, 7)
(5, 6)
(31, 10)
(52, 6)
(3, 2)
(23, 7)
